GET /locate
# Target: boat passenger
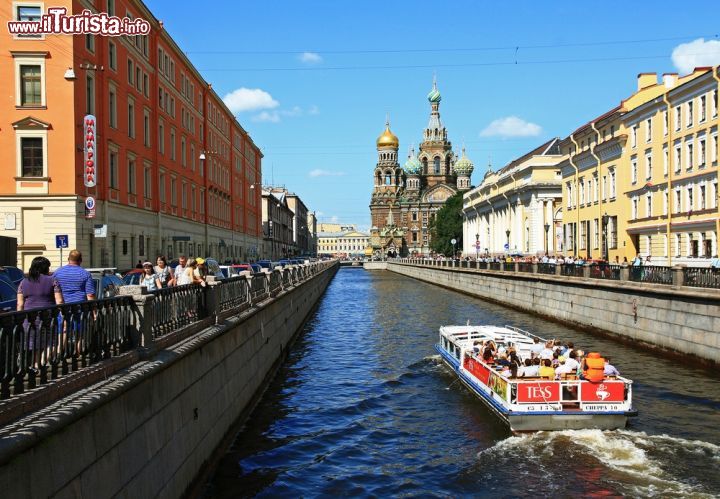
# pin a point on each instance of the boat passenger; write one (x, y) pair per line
(564, 368)
(547, 352)
(546, 369)
(488, 356)
(572, 361)
(536, 347)
(523, 368)
(569, 346)
(555, 361)
(610, 370)
(532, 370)
(594, 367)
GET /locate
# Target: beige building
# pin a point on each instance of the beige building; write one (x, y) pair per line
(351, 243)
(517, 209)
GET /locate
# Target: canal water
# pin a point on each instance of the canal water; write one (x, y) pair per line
(364, 407)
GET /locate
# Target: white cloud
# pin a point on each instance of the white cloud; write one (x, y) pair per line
(249, 99)
(334, 219)
(688, 56)
(310, 58)
(511, 126)
(267, 117)
(317, 172)
(314, 110)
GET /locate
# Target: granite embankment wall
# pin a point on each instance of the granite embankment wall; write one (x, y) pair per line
(154, 429)
(682, 320)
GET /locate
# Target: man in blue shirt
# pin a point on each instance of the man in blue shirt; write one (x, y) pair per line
(75, 282)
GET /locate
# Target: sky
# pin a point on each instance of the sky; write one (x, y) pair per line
(313, 81)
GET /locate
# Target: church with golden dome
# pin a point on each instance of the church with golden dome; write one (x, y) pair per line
(405, 199)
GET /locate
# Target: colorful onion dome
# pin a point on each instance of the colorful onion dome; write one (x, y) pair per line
(412, 165)
(464, 166)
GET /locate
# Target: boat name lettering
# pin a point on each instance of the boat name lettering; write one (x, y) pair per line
(601, 407)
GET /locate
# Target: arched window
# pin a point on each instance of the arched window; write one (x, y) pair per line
(388, 179)
(447, 165)
(425, 166)
(437, 165)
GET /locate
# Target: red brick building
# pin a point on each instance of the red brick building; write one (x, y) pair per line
(174, 168)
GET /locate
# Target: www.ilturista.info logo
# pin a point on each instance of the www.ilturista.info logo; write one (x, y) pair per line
(57, 22)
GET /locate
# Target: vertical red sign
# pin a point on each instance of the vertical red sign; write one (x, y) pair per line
(90, 158)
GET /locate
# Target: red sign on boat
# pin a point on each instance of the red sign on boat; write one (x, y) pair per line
(607, 391)
(541, 391)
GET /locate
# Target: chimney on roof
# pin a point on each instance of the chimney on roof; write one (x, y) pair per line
(669, 80)
(646, 80)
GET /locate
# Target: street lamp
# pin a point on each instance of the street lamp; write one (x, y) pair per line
(507, 233)
(605, 220)
(547, 229)
(477, 246)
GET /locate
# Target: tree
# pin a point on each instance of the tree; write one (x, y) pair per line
(447, 225)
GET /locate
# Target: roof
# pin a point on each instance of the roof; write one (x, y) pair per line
(549, 147)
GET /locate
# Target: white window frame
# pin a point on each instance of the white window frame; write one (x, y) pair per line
(147, 181)
(702, 152)
(690, 118)
(21, 134)
(648, 166)
(633, 170)
(15, 6)
(30, 59)
(648, 129)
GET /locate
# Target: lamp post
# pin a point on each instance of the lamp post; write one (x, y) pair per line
(453, 241)
(507, 233)
(605, 219)
(477, 246)
(547, 229)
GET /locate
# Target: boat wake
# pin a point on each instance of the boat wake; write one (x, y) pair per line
(636, 463)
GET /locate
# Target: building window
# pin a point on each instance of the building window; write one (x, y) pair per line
(648, 130)
(666, 201)
(172, 144)
(184, 196)
(32, 157)
(690, 198)
(113, 168)
(192, 157)
(665, 162)
(715, 106)
(436, 165)
(665, 122)
(678, 159)
(161, 186)
(612, 184)
(90, 94)
(702, 197)
(30, 13)
(648, 204)
(146, 86)
(634, 170)
(147, 182)
(633, 136)
(689, 114)
(131, 119)
(703, 106)
(31, 85)
(714, 150)
(112, 56)
(690, 155)
(612, 232)
(131, 176)
(596, 234)
(146, 128)
(173, 191)
(678, 118)
(90, 43)
(124, 247)
(648, 166)
(111, 7)
(130, 71)
(183, 152)
(112, 107)
(161, 138)
(678, 201)
(634, 208)
(701, 162)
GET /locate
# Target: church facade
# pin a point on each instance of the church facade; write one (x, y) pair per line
(405, 199)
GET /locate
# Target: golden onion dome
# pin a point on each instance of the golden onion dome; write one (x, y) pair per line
(387, 138)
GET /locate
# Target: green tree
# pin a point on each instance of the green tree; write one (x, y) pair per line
(447, 225)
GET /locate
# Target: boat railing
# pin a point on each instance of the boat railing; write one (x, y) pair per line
(522, 331)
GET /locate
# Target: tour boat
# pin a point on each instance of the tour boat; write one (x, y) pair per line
(533, 404)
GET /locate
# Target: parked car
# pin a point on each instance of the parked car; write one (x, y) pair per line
(13, 273)
(132, 276)
(107, 283)
(234, 270)
(266, 264)
(8, 294)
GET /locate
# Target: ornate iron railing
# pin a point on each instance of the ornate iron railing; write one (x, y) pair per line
(233, 293)
(546, 268)
(258, 287)
(525, 267)
(275, 283)
(496, 265)
(701, 277)
(508, 266)
(286, 278)
(176, 307)
(42, 344)
(605, 271)
(653, 274)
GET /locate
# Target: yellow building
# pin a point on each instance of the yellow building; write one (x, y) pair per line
(673, 185)
(517, 209)
(350, 243)
(601, 175)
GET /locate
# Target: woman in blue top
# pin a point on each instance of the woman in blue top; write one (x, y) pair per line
(149, 279)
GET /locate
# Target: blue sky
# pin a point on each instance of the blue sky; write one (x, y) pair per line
(312, 81)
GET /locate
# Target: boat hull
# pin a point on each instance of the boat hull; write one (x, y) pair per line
(536, 421)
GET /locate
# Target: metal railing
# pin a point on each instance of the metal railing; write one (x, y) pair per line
(508, 266)
(43, 344)
(653, 274)
(701, 277)
(546, 268)
(233, 293)
(525, 267)
(176, 307)
(605, 271)
(40, 345)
